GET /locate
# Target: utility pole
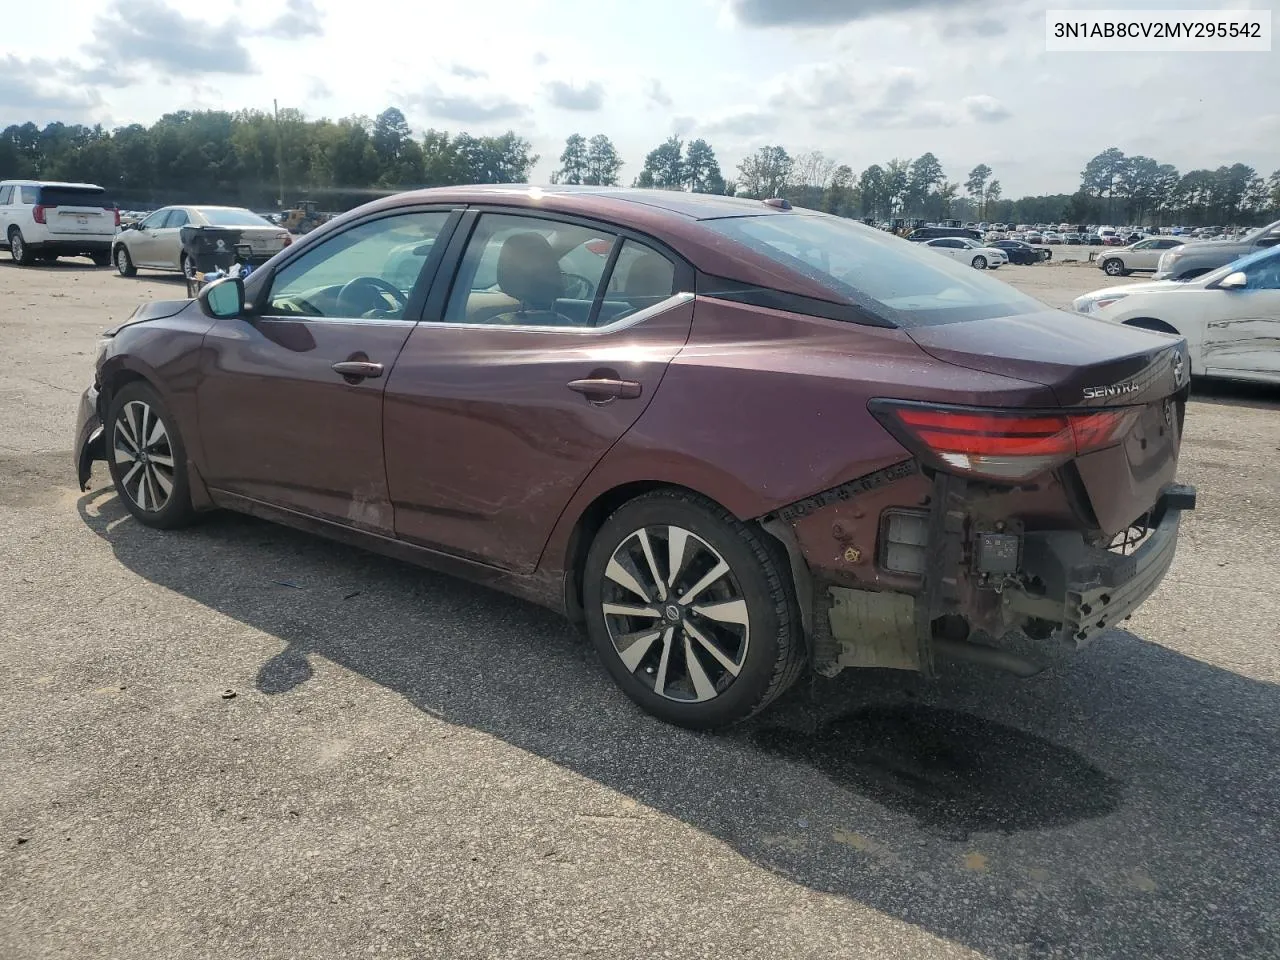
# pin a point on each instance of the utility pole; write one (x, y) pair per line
(275, 104)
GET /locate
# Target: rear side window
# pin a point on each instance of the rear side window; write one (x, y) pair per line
(177, 218)
(29, 195)
(894, 281)
(73, 197)
(233, 218)
(641, 278)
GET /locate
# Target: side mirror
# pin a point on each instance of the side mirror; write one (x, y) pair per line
(1234, 281)
(223, 299)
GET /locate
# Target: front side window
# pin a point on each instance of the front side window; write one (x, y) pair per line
(365, 272)
(1264, 272)
(894, 282)
(154, 221)
(527, 271)
(1144, 245)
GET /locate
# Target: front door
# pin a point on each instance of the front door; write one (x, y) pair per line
(144, 245)
(1242, 337)
(499, 408)
(290, 401)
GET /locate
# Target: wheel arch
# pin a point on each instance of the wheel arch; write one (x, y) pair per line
(588, 523)
(1152, 323)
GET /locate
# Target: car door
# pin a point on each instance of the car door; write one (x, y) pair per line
(521, 376)
(1242, 335)
(144, 244)
(290, 396)
(1142, 256)
(166, 241)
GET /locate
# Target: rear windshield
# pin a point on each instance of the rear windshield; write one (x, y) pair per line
(893, 279)
(74, 197)
(233, 218)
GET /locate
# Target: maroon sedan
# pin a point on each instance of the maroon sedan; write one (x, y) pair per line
(736, 440)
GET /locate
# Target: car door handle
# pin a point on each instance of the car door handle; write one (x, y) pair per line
(358, 369)
(604, 389)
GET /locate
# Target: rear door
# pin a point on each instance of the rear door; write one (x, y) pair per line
(1242, 336)
(543, 351)
(290, 397)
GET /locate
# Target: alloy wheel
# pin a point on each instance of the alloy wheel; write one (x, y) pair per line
(144, 456)
(675, 613)
(122, 259)
(16, 247)
(188, 268)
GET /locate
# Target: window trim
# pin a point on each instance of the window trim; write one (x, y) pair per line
(685, 276)
(261, 291)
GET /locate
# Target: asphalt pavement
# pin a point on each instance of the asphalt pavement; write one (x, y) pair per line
(238, 741)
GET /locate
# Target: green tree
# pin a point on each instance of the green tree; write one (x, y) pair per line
(766, 173)
(923, 177)
(1100, 175)
(873, 191)
(976, 185)
(603, 162)
(896, 178)
(663, 166)
(700, 168)
(573, 161)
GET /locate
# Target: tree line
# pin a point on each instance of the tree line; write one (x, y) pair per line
(259, 159)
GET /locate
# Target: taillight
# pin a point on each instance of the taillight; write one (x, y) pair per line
(116, 211)
(37, 213)
(1000, 444)
(287, 238)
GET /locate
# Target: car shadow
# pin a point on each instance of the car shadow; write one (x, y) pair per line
(1232, 393)
(65, 264)
(1126, 807)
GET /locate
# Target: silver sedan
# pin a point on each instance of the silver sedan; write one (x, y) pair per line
(155, 242)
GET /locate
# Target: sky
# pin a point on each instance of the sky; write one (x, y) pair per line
(863, 81)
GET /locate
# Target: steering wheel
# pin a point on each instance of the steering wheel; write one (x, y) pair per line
(577, 287)
(355, 291)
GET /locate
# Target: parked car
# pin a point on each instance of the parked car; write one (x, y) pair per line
(1034, 236)
(1229, 317)
(156, 242)
(1052, 236)
(1022, 253)
(1143, 255)
(920, 234)
(1113, 240)
(569, 401)
(1196, 258)
(977, 255)
(1093, 240)
(1072, 239)
(44, 220)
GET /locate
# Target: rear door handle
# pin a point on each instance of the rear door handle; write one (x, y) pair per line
(604, 389)
(358, 369)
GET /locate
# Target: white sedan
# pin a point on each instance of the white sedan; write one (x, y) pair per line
(969, 251)
(1230, 317)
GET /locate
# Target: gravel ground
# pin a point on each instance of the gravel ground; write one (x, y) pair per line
(237, 741)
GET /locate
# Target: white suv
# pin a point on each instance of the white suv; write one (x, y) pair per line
(44, 221)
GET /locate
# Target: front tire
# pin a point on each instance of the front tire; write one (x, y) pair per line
(979, 263)
(124, 263)
(19, 250)
(147, 458)
(1114, 268)
(692, 611)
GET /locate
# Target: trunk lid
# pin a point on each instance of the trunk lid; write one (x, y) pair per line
(79, 220)
(1089, 363)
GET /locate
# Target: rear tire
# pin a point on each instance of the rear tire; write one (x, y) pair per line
(101, 259)
(702, 650)
(188, 267)
(147, 458)
(979, 263)
(124, 263)
(19, 250)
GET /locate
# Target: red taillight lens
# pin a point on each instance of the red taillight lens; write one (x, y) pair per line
(1003, 445)
(116, 211)
(37, 213)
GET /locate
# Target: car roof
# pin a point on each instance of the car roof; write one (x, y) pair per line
(694, 206)
(48, 183)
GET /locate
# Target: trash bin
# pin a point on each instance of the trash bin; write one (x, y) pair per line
(211, 249)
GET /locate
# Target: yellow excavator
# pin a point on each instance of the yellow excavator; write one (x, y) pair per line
(303, 218)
